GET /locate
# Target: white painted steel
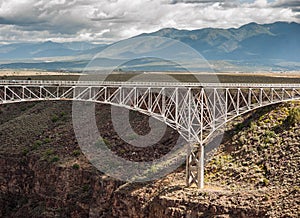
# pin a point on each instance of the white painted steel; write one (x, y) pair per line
(195, 110)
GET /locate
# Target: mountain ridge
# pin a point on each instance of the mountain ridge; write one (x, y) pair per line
(223, 44)
(269, 46)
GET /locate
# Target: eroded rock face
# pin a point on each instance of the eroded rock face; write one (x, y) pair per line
(44, 174)
(39, 190)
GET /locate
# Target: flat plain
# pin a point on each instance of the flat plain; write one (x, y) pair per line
(260, 77)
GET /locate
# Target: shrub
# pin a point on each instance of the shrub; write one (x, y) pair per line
(265, 182)
(86, 188)
(23, 109)
(253, 126)
(47, 140)
(49, 152)
(270, 133)
(37, 144)
(239, 127)
(62, 116)
(55, 159)
(76, 166)
(76, 153)
(294, 116)
(25, 151)
(54, 119)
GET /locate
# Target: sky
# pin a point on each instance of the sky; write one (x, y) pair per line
(105, 21)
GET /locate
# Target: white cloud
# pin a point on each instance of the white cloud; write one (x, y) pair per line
(260, 3)
(110, 20)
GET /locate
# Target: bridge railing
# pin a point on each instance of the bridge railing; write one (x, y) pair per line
(146, 84)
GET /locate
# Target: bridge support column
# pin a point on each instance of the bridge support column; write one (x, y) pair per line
(195, 167)
(201, 167)
(188, 167)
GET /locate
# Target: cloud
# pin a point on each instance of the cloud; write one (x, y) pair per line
(287, 3)
(52, 16)
(195, 1)
(294, 5)
(18, 21)
(111, 20)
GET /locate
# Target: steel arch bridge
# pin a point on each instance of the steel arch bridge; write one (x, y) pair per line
(195, 110)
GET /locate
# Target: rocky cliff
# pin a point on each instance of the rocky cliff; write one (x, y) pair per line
(254, 173)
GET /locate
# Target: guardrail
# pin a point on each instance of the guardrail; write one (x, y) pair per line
(145, 84)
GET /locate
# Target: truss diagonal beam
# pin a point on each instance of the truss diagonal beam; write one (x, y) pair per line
(195, 110)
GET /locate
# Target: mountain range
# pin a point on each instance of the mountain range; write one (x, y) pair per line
(253, 46)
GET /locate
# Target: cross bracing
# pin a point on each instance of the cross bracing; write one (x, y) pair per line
(195, 110)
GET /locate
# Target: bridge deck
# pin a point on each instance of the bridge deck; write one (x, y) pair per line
(145, 84)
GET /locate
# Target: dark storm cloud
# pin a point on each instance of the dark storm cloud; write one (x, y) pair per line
(288, 3)
(292, 4)
(54, 17)
(112, 20)
(224, 4)
(106, 18)
(18, 22)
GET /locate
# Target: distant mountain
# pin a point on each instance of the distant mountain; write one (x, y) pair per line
(48, 66)
(253, 41)
(251, 47)
(19, 51)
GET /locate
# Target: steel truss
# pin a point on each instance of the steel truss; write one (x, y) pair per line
(196, 111)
